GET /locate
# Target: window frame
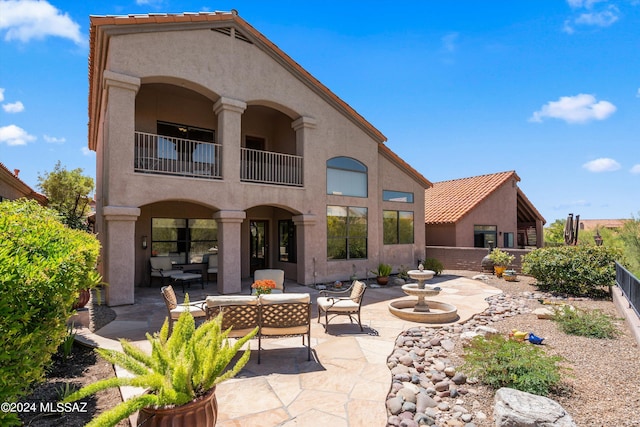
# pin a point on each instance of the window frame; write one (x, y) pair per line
(397, 233)
(185, 238)
(350, 239)
(287, 227)
(388, 196)
(484, 231)
(350, 170)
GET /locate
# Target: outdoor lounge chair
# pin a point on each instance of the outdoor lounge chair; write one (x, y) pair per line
(212, 265)
(342, 303)
(162, 267)
(196, 308)
(270, 274)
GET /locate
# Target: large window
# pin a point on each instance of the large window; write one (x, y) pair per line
(346, 177)
(186, 241)
(485, 236)
(397, 227)
(287, 241)
(346, 232)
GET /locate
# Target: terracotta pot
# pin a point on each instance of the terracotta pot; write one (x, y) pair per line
(499, 269)
(382, 280)
(201, 412)
(83, 299)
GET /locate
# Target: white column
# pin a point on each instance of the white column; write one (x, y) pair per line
(118, 269)
(229, 250)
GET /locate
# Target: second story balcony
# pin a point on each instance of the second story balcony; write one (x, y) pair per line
(164, 155)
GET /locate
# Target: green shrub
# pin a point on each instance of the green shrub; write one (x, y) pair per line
(499, 362)
(433, 265)
(573, 270)
(501, 258)
(383, 270)
(593, 324)
(43, 265)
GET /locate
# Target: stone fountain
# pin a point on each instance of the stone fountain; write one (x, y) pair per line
(423, 310)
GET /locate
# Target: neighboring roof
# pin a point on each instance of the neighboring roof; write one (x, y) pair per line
(448, 201)
(205, 20)
(592, 224)
(12, 179)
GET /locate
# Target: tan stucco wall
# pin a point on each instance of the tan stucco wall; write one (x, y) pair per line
(195, 69)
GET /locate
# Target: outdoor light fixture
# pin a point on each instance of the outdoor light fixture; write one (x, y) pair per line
(598, 238)
(144, 242)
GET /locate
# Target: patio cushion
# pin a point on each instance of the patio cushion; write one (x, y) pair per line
(284, 298)
(338, 304)
(224, 300)
(196, 311)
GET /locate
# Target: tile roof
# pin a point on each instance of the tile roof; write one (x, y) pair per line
(448, 201)
(18, 183)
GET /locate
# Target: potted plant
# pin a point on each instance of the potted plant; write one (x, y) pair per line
(180, 375)
(501, 260)
(382, 273)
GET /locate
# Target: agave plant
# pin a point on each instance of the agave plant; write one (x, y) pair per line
(180, 368)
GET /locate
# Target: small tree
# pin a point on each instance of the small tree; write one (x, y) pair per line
(630, 235)
(68, 193)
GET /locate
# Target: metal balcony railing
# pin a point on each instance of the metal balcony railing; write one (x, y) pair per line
(166, 155)
(268, 167)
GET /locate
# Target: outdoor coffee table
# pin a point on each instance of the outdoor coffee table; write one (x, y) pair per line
(187, 278)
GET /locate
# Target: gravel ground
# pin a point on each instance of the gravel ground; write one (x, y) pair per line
(603, 386)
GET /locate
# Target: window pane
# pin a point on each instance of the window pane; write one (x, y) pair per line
(397, 196)
(405, 227)
(336, 221)
(357, 222)
(390, 227)
(287, 241)
(346, 232)
(346, 163)
(357, 248)
(337, 248)
(346, 183)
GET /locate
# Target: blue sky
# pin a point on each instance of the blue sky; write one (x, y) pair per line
(550, 89)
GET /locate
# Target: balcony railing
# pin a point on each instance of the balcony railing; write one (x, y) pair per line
(165, 155)
(270, 168)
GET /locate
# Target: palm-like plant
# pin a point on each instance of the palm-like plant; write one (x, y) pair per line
(180, 368)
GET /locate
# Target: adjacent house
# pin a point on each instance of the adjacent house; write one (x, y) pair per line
(484, 211)
(211, 141)
(12, 187)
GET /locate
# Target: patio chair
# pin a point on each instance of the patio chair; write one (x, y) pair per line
(162, 267)
(270, 274)
(342, 303)
(196, 308)
(212, 267)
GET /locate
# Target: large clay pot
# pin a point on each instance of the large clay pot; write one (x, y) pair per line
(202, 412)
(83, 299)
(499, 269)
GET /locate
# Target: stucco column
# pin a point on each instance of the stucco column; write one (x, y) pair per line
(303, 126)
(229, 112)
(307, 251)
(117, 152)
(119, 254)
(229, 250)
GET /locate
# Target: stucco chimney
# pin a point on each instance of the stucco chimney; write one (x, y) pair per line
(16, 172)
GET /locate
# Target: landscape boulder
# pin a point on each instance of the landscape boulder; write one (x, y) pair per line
(514, 408)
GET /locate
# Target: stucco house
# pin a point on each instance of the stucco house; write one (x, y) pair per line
(210, 140)
(479, 212)
(12, 187)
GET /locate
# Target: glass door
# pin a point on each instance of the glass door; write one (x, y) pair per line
(259, 245)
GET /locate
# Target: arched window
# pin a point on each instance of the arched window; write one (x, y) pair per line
(346, 177)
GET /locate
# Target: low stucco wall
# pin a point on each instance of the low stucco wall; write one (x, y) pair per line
(469, 258)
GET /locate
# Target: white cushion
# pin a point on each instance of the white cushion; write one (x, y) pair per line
(336, 304)
(195, 311)
(270, 274)
(291, 330)
(222, 300)
(278, 298)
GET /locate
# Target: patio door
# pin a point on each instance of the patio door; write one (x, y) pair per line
(259, 246)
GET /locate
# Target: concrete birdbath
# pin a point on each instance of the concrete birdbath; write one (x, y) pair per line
(423, 310)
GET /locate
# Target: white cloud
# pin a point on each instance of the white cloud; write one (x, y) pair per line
(16, 107)
(575, 109)
(603, 164)
(86, 151)
(2, 93)
(604, 18)
(587, 4)
(635, 169)
(449, 42)
(590, 13)
(27, 20)
(14, 135)
(638, 93)
(53, 139)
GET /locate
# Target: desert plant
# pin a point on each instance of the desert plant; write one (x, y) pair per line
(383, 270)
(574, 270)
(43, 266)
(433, 265)
(499, 362)
(593, 324)
(501, 258)
(181, 367)
(67, 343)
